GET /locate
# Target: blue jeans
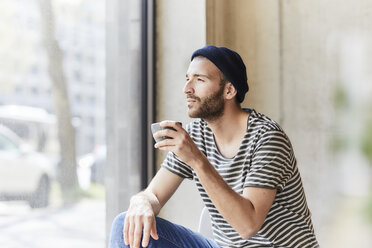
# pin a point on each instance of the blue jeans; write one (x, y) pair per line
(170, 235)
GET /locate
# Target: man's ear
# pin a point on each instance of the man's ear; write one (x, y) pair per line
(230, 91)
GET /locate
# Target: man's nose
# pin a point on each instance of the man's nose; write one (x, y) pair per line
(188, 88)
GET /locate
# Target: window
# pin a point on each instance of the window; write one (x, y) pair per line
(38, 117)
(6, 144)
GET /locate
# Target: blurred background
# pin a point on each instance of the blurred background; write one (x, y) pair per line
(81, 81)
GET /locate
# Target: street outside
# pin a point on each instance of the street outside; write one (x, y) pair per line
(78, 225)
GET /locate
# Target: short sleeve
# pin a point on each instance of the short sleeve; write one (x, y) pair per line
(175, 165)
(272, 163)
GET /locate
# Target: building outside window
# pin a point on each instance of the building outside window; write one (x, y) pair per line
(29, 139)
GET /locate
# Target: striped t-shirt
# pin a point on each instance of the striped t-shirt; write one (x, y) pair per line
(265, 159)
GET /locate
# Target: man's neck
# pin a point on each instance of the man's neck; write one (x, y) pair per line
(229, 129)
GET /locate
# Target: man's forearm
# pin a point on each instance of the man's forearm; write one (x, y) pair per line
(236, 209)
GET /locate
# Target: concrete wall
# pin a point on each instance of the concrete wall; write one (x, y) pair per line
(123, 90)
(252, 29)
(293, 52)
(180, 31)
(284, 46)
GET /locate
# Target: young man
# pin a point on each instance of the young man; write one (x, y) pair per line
(242, 162)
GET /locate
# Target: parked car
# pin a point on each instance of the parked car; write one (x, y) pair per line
(24, 173)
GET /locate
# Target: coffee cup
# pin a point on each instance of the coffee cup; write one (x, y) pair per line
(155, 127)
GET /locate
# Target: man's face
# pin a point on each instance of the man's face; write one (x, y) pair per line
(204, 90)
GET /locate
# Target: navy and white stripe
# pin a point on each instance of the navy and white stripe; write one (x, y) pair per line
(265, 159)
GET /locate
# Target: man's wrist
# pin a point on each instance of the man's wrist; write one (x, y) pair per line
(146, 198)
(153, 200)
(200, 163)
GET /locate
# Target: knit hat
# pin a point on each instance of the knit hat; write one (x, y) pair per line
(230, 64)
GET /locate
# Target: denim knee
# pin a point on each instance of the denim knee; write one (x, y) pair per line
(116, 235)
(119, 220)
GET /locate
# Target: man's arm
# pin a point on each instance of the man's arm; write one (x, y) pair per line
(246, 213)
(145, 205)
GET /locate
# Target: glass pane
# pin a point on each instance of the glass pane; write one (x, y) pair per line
(52, 123)
(6, 144)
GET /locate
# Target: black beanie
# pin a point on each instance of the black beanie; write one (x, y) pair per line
(230, 64)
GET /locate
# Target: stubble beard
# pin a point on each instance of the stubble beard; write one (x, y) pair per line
(211, 107)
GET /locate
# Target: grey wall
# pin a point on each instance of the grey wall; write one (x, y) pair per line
(123, 103)
(284, 46)
(180, 31)
(294, 56)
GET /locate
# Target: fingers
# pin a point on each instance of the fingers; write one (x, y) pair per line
(134, 227)
(131, 232)
(146, 237)
(166, 145)
(174, 124)
(126, 231)
(148, 230)
(137, 236)
(169, 130)
(154, 233)
(165, 133)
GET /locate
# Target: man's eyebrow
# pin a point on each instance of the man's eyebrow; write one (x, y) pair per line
(197, 75)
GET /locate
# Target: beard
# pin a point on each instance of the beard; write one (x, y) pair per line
(211, 107)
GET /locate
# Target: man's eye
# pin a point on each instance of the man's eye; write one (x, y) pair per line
(200, 79)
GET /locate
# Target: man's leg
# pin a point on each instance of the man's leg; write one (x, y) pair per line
(170, 235)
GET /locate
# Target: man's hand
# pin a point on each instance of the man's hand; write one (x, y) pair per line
(140, 218)
(180, 143)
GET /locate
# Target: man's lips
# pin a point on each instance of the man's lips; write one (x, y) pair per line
(191, 100)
